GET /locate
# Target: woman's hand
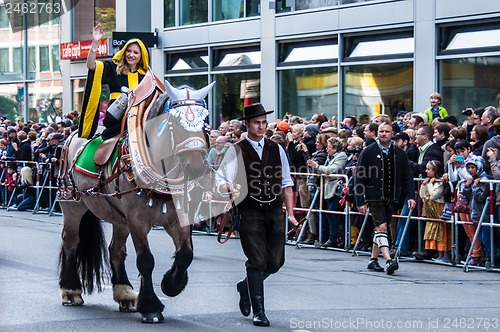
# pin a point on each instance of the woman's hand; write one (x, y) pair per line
(97, 33)
(492, 153)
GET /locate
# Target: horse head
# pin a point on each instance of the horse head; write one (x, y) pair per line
(185, 116)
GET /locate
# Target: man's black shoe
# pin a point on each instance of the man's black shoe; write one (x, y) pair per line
(392, 266)
(423, 255)
(260, 319)
(375, 266)
(244, 297)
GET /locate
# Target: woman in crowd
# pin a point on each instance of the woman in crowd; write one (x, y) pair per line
(27, 198)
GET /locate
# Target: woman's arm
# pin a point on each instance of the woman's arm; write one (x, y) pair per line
(97, 34)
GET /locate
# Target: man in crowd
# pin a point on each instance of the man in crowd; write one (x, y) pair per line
(382, 178)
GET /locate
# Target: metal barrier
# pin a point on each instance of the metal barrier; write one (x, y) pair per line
(43, 177)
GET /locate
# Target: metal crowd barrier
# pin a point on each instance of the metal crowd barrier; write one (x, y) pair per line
(43, 178)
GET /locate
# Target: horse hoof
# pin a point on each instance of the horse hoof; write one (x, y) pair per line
(153, 318)
(172, 287)
(127, 306)
(72, 302)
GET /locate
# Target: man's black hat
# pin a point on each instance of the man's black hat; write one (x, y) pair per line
(254, 110)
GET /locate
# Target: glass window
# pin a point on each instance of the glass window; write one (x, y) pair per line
(249, 57)
(469, 82)
(55, 58)
(193, 60)
(378, 89)
(228, 9)
(17, 54)
(291, 5)
(193, 11)
(317, 51)
(78, 91)
(252, 8)
(475, 37)
(84, 19)
(388, 45)
(11, 97)
(232, 92)
(194, 81)
(45, 101)
(44, 58)
(307, 91)
(32, 60)
(4, 18)
(4, 60)
(169, 13)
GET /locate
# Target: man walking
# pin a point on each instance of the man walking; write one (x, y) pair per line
(262, 226)
(382, 178)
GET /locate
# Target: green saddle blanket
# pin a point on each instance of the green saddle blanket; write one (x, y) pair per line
(85, 162)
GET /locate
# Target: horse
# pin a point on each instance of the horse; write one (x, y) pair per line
(161, 160)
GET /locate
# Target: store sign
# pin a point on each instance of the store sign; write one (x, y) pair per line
(80, 49)
(120, 38)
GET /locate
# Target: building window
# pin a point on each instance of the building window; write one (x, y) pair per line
(312, 88)
(17, 54)
(292, 5)
(188, 62)
(243, 57)
(390, 45)
(4, 18)
(84, 20)
(309, 52)
(307, 91)
(469, 82)
(55, 58)
(474, 37)
(376, 89)
(4, 60)
(193, 11)
(44, 58)
(233, 92)
(169, 13)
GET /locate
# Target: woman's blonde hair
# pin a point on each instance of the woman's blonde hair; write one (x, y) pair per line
(27, 175)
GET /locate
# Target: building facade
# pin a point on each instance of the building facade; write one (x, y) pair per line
(299, 57)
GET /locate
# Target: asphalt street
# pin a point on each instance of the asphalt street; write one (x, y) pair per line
(316, 290)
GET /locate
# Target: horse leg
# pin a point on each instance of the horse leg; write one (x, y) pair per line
(175, 280)
(148, 304)
(123, 292)
(80, 258)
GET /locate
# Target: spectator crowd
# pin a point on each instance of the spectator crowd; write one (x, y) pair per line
(441, 151)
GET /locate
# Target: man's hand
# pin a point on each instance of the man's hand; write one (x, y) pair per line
(476, 181)
(231, 188)
(411, 204)
(292, 220)
(363, 208)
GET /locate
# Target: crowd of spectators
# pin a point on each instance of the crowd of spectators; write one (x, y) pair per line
(322, 145)
(440, 150)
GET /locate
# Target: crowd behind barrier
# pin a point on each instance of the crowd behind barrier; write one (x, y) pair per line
(487, 221)
(44, 185)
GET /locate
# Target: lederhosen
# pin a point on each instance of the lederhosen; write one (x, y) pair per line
(262, 230)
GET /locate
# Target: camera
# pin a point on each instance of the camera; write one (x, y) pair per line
(467, 111)
(354, 150)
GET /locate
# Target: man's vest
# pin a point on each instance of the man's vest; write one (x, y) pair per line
(263, 176)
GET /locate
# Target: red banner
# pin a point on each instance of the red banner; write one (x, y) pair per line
(80, 49)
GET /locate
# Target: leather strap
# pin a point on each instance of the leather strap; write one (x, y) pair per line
(223, 221)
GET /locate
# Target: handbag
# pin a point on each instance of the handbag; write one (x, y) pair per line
(462, 204)
(446, 214)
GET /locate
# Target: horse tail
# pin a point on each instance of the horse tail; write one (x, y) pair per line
(91, 254)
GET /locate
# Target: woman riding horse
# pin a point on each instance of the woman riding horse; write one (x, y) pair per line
(148, 190)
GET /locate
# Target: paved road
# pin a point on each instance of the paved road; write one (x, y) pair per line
(316, 290)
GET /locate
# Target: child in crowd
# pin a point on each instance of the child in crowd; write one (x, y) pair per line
(8, 183)
(437, 234)
(457, 170)
(477, 192)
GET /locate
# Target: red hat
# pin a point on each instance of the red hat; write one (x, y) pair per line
(282, 126)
